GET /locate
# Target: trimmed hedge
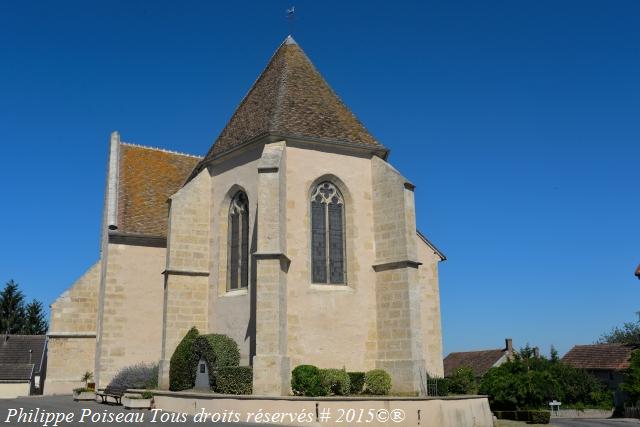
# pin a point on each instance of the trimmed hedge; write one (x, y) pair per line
(357, 382)
(218, 351)
(539, 417)
(182, 368)
(377, 382)
(531, 417)
(335, 381)
(306, 381)
(234, 380)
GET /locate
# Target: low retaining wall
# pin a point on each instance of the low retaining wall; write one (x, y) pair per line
(586, 413)
(458, 411)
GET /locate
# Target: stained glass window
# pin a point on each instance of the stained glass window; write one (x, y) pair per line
(327, 235)
(238, 246)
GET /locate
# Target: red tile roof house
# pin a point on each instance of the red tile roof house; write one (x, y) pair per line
(480, 361)
(604, 361)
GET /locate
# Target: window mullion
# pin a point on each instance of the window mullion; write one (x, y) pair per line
(327, 249)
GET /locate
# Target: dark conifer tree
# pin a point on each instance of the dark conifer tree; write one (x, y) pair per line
(11, 309)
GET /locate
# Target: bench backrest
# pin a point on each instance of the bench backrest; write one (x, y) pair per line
(116, 389)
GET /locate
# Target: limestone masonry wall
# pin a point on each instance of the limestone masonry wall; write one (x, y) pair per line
(430, 301)
(132, 309)
(331, 326)
(76, 310)
(229, 312)
(72, 331)
(185, 297)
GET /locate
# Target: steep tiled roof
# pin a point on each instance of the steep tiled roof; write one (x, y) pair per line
(147, 177)
(480, 361)
(290, 98)
(14, 350)
(599, 356)
(16, 371)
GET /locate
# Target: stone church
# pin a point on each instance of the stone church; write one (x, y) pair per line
(293, 235)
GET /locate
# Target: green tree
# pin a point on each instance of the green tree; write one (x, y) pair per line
(11, 309)
(629, 333)
(34, 322)
(463, 381)
(554, 354)
(631, 383)
(528, 382)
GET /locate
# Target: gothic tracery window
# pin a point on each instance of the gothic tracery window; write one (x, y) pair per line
(327, 235)
(238, 244)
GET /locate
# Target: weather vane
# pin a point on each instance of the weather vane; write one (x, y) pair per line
(291, 15)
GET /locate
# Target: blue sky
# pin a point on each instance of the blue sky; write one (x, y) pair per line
(517, 121)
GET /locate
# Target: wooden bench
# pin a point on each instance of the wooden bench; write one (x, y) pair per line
(115, 392)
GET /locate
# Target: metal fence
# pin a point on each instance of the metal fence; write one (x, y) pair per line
(433, 386)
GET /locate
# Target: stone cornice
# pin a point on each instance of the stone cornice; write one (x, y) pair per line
(397, 264)
(185, 273)
(271, 255)
(71, 335)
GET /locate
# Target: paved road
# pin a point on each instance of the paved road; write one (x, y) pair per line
(64, 405)
(594, 423)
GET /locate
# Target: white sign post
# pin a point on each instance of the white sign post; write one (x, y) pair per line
(555, 407)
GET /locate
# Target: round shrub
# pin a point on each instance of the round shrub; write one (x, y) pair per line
(357, 382)
(141, 375)
(217, 350)
(335, 381)
(182, 368)
(377, 382)
(306, 381)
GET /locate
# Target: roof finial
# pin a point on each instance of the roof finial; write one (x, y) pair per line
(291, 16)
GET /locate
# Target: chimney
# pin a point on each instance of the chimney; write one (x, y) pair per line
(536, 352)
(509, 345)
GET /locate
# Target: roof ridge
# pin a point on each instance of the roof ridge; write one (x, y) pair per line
(164, 150)
(478, 351)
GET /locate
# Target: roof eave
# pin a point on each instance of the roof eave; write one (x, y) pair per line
(298, 140)
(432, 246)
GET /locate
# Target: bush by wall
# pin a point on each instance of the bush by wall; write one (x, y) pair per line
(234, 380)
(217, 350)
(141, 375)
(531, 417)
(539, 417)
(463, 381)
(306, 381)
(357, 382)
(335, 381)
(377, 382)
(182, 368)
(529, 382)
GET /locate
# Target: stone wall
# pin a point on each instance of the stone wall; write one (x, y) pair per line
(331, 326)
(398, 309)
(230, 312)
(430, 302)
(131, 314)
(68, 358)
(76, 310)
(72, 331)
(185, 298)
